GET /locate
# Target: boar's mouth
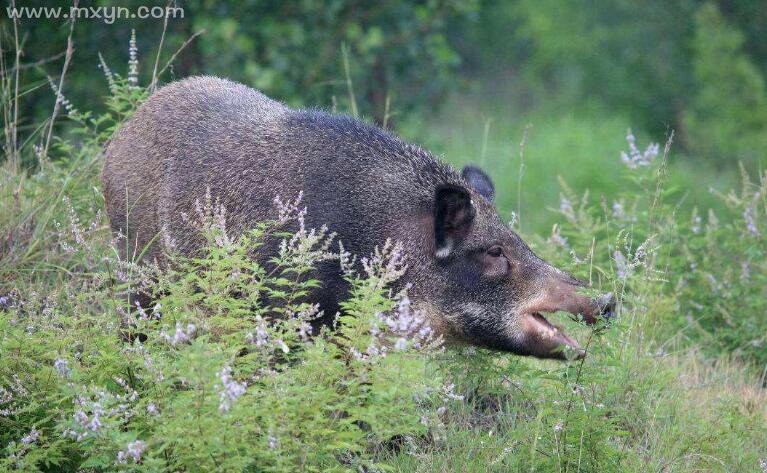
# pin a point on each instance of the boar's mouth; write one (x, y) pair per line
(546, 340)
(543, 339)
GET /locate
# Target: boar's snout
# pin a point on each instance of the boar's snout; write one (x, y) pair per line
(559, 292)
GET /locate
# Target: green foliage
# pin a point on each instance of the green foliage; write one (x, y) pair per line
(713, 269)
(220, 374)
(721, 281)
(32, 215)
(728, 114)
(628, 56)
(222, 380)
(695, 67)
(398, 51)
(678, 65)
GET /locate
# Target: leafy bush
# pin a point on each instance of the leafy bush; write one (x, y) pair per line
(681, 65)
(212, 377)
(712, 267)
(394, 50)
(722, 283)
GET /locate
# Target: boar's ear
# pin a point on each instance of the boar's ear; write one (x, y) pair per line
(453, 215)
(480, 181)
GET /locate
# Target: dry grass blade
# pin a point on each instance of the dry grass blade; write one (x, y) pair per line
(153, 84)
(57, 105)
(178, 51)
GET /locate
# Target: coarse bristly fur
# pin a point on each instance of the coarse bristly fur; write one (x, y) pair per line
(476, 280)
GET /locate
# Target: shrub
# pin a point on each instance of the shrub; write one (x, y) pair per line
(212, 377)
(721, 281)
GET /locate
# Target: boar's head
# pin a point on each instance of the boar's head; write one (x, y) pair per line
(488, 287)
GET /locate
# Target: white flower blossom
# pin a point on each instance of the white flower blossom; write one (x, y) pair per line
(133, 60)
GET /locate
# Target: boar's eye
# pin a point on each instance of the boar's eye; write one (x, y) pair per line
(495, 251)
(495, 263)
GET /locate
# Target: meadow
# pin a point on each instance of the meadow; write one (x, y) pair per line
(213, 378)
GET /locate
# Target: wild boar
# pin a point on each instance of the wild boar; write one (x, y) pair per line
(473, 277)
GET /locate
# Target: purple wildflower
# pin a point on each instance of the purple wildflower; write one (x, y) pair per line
(635, 158)
(31, 437)
(618, 211)
(133, 60)
(448, 392)
(134, 451)
(88, 422)
(289, 210)
(749, 215)
(622, 266)
(745, 271)
(261, 337)
(557, 238)
(513, 220)
(565, 206)
(408, 324)
(62, 366)
(386, 264)
(282, 345)
(181, 335)
(229, 389)
(559, 426)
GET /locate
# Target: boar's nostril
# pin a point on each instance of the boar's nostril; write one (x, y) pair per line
(606, 304)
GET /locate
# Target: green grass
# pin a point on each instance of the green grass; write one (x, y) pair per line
(675, 384)
(581, 146)
(671, 413)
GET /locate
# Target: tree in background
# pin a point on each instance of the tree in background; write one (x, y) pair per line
(293, 50)
(290, 50)
(626, 55)
(728, 111)
(681, 65)
(697, 68)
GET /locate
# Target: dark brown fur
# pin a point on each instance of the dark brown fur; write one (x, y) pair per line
(474, 277)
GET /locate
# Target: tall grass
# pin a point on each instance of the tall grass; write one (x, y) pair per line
(221, 374)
